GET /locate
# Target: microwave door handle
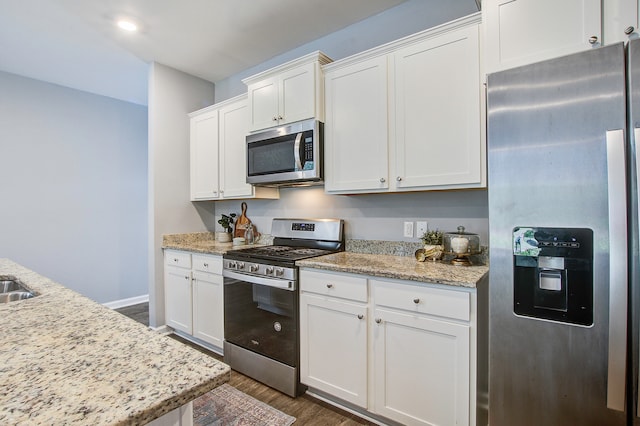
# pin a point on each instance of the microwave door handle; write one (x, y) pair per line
(296, 151)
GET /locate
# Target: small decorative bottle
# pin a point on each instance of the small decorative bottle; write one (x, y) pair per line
(249, 235)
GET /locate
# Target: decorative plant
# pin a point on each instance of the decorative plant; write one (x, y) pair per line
(226, 221)
(433, 238)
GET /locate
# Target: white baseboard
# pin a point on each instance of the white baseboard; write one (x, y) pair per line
(116, 304)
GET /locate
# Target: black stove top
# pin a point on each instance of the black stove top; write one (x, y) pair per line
(277, 253)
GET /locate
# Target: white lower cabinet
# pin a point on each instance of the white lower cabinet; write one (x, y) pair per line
(194, 298)
(333, 335)
(421, 363)
(400, 350)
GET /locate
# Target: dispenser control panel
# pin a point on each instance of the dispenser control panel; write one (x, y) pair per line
(553, 274)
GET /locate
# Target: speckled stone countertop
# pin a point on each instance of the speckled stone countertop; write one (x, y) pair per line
(65, 359)
(387, 259)
(399, 267)
(204, 242)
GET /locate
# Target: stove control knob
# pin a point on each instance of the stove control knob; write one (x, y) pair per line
(240, 265)
(232, 265)
(254, 267)
(269, 270)
(279, 272)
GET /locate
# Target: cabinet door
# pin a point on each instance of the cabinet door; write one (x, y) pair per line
(437, 125)
(519, 32)
(297, 94)
(333, 347)
(263, 104)
(233, 151)
(356, 132)
(208, 308)
(177, 296)
(619, 17)
(204, 156)
(421, 369)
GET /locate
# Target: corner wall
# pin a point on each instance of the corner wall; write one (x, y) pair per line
(172, 95)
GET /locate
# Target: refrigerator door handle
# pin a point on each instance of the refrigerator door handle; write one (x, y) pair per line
(636, 138)
(616, 167)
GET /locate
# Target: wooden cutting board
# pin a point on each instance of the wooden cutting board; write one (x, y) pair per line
(241, 222)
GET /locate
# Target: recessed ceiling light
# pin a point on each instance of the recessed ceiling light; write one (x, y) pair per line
(127, 25)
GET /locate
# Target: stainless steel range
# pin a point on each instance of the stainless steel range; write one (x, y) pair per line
(261, 309)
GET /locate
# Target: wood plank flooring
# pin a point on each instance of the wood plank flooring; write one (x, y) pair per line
(306, 409)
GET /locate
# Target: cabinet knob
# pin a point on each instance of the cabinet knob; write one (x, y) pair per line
(329, 285)
(186, 277)
(206, 265)
(378, 320)
(175, 259)
(274, 118)
(416, 300)
(360, 316)
(382, 180)
(280, 117)
(593, 39)
(399, 179)
(629, 30)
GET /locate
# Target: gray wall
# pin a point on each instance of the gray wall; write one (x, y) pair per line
(73, 187)
(379, 216)
(172, 95)
(400, 21)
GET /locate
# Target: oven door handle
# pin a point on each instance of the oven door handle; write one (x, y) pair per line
(271, 282)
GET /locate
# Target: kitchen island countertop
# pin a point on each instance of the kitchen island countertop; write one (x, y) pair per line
(68, 360)
(398, 267)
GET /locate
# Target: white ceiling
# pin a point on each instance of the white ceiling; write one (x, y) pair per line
(75, 43)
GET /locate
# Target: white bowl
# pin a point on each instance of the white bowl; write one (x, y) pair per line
(238, 241)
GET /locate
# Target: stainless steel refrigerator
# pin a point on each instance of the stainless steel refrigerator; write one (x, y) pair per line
(563, 227)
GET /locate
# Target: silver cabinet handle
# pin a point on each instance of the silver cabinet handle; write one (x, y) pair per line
(206, 265)
(617, 269)
(416, 300)
(329, 285)
(360, 316)
(186, 277)
(593, 39)
(399, 179)
(378, 320)
(382, 180)
(629, 30)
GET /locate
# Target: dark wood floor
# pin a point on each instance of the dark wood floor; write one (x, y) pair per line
(306, 409)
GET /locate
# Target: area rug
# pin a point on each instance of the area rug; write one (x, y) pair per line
(227, 406)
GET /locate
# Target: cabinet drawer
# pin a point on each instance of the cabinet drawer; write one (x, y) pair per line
(425, 300)
(204, 263)
(177, 258)
(336, 285)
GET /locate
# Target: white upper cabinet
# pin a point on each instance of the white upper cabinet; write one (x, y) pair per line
(437, 130)
(407, 116)
(519, 32)
(291, 92)
(218, 153)
(621, 20)
(356, 133)
(204, 156)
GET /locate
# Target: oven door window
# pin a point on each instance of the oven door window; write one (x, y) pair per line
(261, 319)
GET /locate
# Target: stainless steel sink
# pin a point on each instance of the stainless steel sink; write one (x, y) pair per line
(12, 289)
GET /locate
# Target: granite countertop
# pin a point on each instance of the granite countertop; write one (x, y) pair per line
(68, 360)
(204, 242)
(398, 267)
(387, 259)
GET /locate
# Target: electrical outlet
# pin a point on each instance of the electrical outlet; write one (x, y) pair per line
(421, 228)
(408, 229)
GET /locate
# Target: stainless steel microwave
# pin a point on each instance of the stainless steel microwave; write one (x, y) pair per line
(286, 156)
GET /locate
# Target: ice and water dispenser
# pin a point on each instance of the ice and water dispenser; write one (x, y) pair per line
(553, 274)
